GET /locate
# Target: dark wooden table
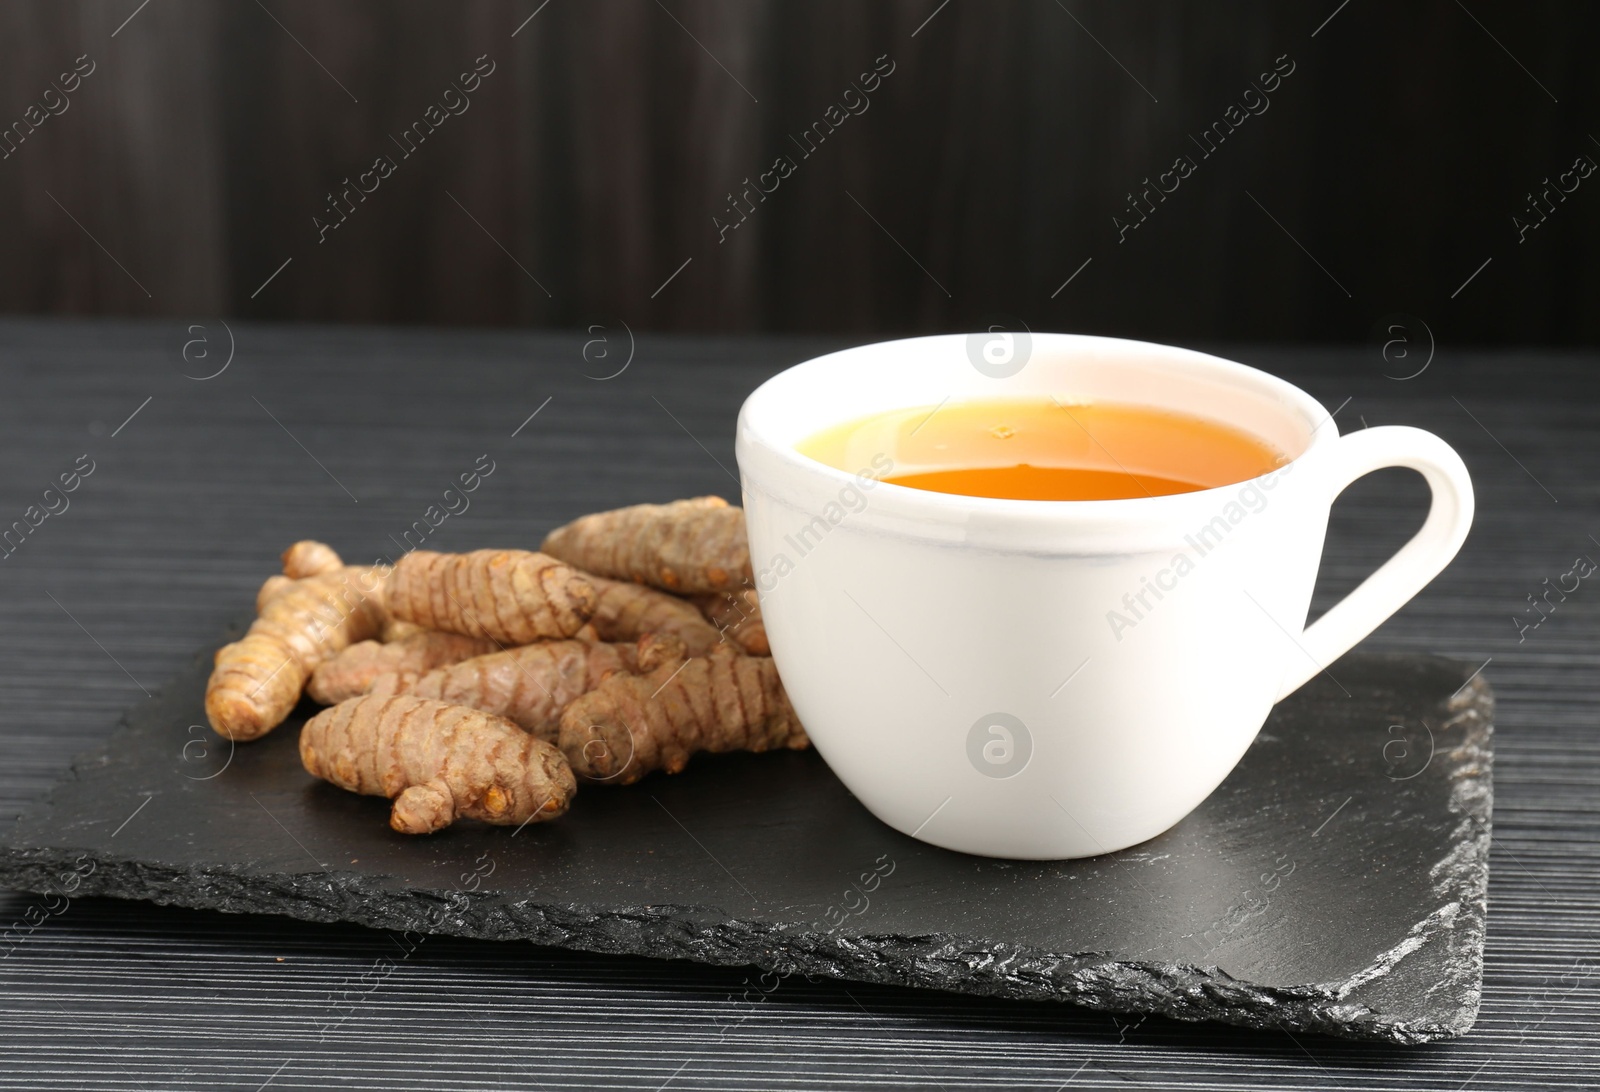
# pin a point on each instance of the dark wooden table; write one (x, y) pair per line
(350, 434)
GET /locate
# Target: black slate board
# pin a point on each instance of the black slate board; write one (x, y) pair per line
(1335, 882)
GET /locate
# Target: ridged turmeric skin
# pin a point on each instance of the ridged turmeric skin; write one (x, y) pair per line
(689, 546)
(530, 686)
(514, 597)
(626, 612)
(632, 725)
(737, 616)
(352, 672)
(437, 762)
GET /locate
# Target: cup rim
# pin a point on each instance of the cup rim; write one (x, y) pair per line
(939, 507)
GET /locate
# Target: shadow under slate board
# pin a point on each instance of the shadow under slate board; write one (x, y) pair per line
(1334, 883)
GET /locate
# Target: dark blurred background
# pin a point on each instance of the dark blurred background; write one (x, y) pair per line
(991, 161)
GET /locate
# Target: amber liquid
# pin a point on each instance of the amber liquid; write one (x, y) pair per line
(1046, 449)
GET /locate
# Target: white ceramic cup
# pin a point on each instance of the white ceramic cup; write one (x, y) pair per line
(1051, 679)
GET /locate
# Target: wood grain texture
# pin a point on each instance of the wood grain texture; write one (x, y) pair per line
(192, 499)
(986, 169)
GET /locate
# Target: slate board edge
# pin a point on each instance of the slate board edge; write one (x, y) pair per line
(938, 961)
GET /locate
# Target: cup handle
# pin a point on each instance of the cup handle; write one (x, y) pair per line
(1418, 561)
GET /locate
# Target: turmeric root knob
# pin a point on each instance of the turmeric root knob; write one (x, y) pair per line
(270, 588)
(257, 681)
(308, 557)
(437, 762)
(688, 546)
(514, 597)
(633, 724)
(395, 630)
